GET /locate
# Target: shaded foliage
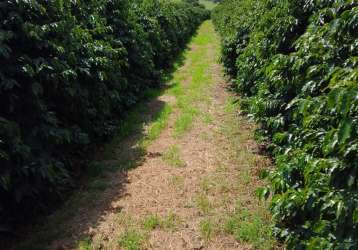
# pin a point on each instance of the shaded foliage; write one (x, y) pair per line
(295, 64)
(69, 71)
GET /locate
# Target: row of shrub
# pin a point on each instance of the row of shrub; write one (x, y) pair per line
(69, 72)
(295, 64)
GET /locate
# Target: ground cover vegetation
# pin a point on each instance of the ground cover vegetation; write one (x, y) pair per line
(295, 65)
(69, 72)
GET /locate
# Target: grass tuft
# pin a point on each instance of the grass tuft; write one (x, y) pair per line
(151, 222)
(84, 245)
(159, 124)
(172, 157)
(131, 240)
(208, 229)
(171, 221)
(249, 227)
(207, 118)
(203, 203)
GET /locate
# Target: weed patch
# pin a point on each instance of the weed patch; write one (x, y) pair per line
(172, 157)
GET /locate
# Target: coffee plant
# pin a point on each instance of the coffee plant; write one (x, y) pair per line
(295, 65)
(69, 72)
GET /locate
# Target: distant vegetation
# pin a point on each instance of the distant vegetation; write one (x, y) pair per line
(295, 65)
(69, 72)
(209, 4)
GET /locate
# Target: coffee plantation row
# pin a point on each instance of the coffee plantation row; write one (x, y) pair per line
(295, 65)
(69, 72)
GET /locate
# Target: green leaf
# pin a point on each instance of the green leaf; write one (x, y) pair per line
(355, 215)
(344, 131)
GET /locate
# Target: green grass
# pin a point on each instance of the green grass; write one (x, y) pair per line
(231, 105)
(194, 80)
(206, 136)
(188, 112)
(206, 184)
(222, 185)
(134, 122)
(151, 222)
(249, 222)
(203, 203)
(170, 222)
(208, 4)
(131, 240)
(158, 125)
(207, 118)
(85, 245)
(247, 226)
(172, 157)
(217, 183)
(222, 168)
(183, 123)
(208, 228)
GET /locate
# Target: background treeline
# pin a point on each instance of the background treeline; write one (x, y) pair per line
(295, 64)
(69, 70)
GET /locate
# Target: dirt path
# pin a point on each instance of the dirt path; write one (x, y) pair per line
(184, 180)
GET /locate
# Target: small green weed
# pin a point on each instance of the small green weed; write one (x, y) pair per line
(131, 240)
(85, 245)
(207, 118)
(159, 124)
(206, 184)
(207, 229)
(183, 123)
(249, 227)
(171, 221)
(151, 222)
(203, 203)
(231, 105)
(172, 157)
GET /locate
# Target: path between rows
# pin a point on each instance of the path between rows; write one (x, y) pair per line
(191, 173)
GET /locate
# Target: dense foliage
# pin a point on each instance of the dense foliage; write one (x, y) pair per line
(295, 64)
(69, 71)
